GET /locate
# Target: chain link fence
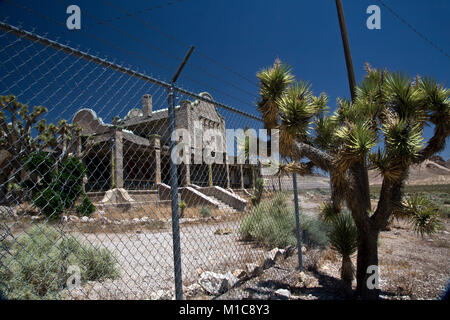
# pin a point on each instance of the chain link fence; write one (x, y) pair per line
(95, 198)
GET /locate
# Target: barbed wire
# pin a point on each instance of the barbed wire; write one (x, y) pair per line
(165, 52)
(411, 27)
(124, 157)
(133, 53)
(163, 5)
(180, 42)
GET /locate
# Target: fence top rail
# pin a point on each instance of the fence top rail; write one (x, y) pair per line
(105, 63)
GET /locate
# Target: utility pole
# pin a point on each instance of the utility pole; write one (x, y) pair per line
(348, 55)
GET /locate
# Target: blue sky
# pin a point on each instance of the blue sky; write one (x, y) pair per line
(247, 35)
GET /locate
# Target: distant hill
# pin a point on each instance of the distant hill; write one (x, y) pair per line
(440, 161)
(433, 171)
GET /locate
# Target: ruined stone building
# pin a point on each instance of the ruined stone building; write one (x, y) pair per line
(133, 153)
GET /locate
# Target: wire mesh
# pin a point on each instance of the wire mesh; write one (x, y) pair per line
(86, 193)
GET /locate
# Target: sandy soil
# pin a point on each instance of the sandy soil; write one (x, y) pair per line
(410, 268)
(146, 259)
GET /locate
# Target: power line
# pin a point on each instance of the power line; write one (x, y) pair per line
(35, 12)
(129, 52)
(180, 42)
(166, 4)
(414, 29)
(169, 54)
(113, 66)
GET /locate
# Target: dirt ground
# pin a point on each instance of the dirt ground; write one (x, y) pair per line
(410, 268)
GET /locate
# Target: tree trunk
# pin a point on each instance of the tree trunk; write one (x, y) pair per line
(336, 196)
(367, 256)
(347, 274)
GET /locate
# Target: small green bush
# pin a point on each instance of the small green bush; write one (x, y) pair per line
(259, 190)
(69, 181)
(57, 189)
(343, 234)
(41, 164)
(205, 212)
(36, 267)
(49, 202)
(182, 205)
(423, 215)
(272, 223)
(86, 207)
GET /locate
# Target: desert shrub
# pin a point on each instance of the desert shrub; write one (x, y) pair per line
(86, 207)
(272, 223)
(69, 181)
(344, 240)
(259, 190)
(343, 234)
(327, 212)
(49, 202)
(55, 191)
(423, 214)
(205, 212)
(41, 164)
(182, 205)
(36, 267)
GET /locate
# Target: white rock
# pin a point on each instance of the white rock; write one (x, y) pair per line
(85, 219)
(216, 283)
(73, 218)
(232, 279)
(161, 295)
(271, 258)
(283, 294)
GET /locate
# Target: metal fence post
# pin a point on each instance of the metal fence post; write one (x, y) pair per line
(174, 196)
(297, 223)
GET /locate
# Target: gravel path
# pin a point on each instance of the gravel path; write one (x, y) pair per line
(146, 259)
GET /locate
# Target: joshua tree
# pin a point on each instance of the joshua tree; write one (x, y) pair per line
(17, 140)
(182, 205)
(344, 240)
(382, 129)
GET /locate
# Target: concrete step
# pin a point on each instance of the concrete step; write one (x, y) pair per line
(223, 206)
